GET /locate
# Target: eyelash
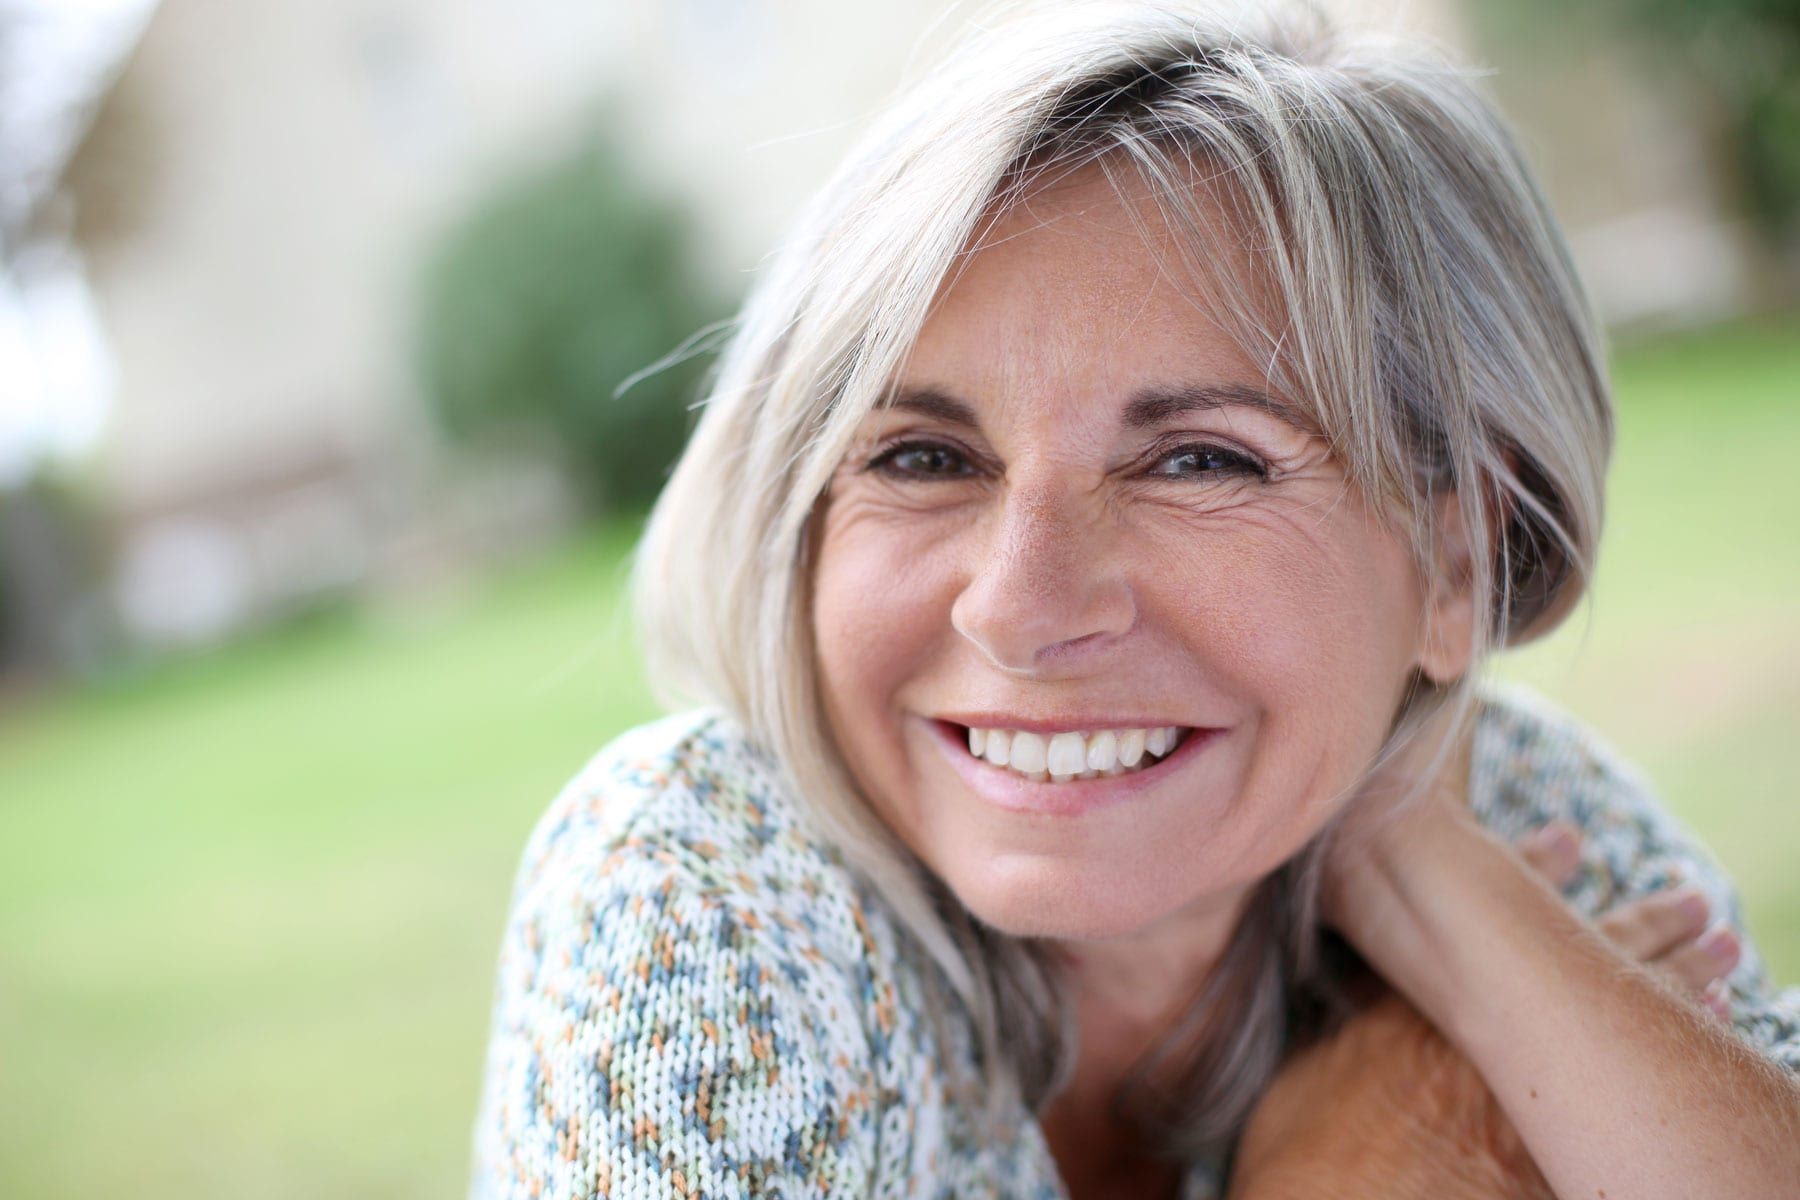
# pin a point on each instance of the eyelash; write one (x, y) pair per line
(1237, 462)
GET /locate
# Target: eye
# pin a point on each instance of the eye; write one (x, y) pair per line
(923, 461)
(1202, 458)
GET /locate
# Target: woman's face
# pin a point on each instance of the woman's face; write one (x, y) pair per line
(1082, 514)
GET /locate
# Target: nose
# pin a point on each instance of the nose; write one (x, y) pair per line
(1047, 590)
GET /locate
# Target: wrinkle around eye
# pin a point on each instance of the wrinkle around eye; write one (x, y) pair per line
(870, 492)
(1288, 492)
(1207, 498)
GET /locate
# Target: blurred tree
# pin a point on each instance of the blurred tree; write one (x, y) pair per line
(50, 566)
(1745, 57)
(556, 289)
(1748, 53)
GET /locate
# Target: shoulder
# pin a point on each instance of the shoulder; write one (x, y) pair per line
(1535, 762)
(680, 998)
(691, 785)
(1529, 751)
(688, 813)
(692, 797)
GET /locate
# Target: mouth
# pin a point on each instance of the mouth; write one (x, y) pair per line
(1072, 754)
(1067, 772)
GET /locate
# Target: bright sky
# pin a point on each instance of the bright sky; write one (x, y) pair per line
(57, 57)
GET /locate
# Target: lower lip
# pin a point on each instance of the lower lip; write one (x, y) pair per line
(1015, 793)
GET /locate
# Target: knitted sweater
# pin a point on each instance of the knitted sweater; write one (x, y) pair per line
(698, 997)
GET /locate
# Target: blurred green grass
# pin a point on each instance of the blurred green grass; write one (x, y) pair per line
(249, 903)
(1687, 655)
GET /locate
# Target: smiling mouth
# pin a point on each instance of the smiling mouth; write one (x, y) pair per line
(1070, 756)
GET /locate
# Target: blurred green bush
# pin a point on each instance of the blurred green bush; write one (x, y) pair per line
(559, 286)
(1738, 60)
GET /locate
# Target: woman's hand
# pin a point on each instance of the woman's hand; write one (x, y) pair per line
(1666, 930)
(1386, 1107)
(1661, 930)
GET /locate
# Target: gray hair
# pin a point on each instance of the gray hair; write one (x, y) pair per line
(1423, 307)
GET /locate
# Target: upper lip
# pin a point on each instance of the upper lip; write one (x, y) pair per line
(1073, 723)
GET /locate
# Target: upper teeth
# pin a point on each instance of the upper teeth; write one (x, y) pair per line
(1072, 755)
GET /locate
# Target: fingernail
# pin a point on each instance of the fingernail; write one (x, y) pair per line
(1559, 840)
(1719, 944)
(1692, 903)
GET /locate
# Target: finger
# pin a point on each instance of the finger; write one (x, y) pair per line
(1554, 851)
(1658, 924)
(1717, 998)
(1706, 960)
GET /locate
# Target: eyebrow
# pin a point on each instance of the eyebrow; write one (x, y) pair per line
(1146, 409)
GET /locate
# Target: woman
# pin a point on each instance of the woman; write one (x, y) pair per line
(1086, 558)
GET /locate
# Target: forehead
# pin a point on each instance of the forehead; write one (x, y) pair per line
(1084, 289)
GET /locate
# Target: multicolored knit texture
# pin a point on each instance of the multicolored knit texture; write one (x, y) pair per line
(697, 997)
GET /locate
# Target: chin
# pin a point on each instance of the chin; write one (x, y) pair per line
(1033, 899)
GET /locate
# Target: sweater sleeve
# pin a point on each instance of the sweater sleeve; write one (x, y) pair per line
(1542, 765)
(648, 1042)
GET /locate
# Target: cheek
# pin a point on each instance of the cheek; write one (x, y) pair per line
(1305, 621)
(880, 611)
(1313, 629)
(1298, 614)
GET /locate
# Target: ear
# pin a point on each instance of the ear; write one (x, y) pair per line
(1447, 642)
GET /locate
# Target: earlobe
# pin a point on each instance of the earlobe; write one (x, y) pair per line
(1447, 643)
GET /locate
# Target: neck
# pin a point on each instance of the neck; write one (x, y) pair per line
(1128, 993)
(1130, 990)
